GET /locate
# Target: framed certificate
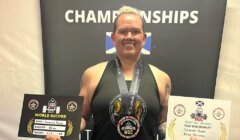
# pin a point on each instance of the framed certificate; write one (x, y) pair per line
(207, 119)
(42, 115)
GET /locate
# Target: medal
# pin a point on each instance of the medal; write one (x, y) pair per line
(128, 127)
(127, 110)
(116, 110)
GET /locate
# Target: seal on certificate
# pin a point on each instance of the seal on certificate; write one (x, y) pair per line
(179, 110)
(71, 106)
(33, 104)
(218, 113)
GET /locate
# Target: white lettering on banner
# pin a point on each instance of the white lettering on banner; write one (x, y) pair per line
(165, 17)
(67, 16)
(91, 17)
(81, 16)
(194, 17)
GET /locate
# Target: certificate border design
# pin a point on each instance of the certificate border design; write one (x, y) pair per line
(171, 133)
(29, 126)
(223, 132)
(70, 128)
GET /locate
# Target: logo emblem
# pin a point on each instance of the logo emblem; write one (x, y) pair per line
(218, 113)
(117, 111)
(110, 48)
(72, 106)
(198, 114)
(33, 104)
(179, 110)
(128, 127)
(51, 107)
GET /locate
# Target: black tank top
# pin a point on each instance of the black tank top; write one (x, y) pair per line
(108, 89)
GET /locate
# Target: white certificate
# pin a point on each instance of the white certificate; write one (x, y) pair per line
(207, 119)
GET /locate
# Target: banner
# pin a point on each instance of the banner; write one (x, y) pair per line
(184, 39)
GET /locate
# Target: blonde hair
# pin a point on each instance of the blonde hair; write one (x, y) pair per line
(127, 10)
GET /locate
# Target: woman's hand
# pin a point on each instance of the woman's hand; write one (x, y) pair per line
(52, 137)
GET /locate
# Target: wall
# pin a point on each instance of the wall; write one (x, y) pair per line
(228, 77)
(21, 62)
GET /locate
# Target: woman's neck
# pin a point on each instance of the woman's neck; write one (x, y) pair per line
(128, 66)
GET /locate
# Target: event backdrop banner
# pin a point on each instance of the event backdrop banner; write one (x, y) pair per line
(183, 39)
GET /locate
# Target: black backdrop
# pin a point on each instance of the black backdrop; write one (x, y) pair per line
(74, 39)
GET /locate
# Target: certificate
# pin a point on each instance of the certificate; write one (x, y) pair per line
(42, 115)
(207, 119)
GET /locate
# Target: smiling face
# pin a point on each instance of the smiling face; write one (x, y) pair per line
(129, 36)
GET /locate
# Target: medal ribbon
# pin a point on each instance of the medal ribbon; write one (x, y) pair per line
(128, 97)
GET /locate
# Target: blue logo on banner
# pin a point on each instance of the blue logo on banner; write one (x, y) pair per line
(110, 49)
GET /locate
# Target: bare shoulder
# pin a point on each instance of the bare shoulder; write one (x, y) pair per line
(95, 70)
(159, 74)
(163, 82)
(89, 82)
(91, 78)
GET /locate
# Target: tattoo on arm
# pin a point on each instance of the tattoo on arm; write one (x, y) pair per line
(165, 104)
(162, 126)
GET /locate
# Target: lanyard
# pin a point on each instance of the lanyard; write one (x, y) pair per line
(128, 97)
